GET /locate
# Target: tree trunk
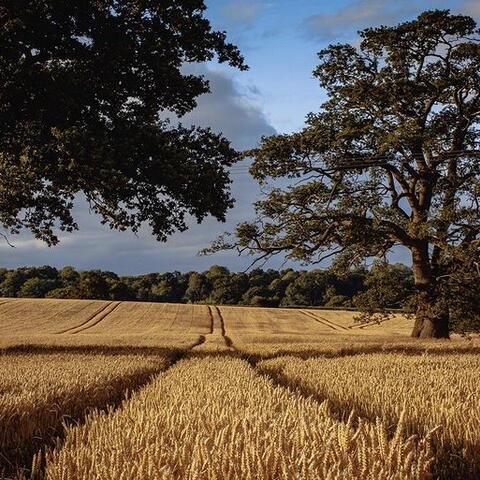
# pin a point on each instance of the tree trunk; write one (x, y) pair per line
(431, 320)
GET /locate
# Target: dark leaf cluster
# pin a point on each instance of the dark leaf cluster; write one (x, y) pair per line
(84, 87)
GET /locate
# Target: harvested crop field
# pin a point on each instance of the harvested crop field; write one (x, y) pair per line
(125, 390)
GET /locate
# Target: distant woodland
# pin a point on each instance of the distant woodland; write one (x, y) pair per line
(383, 286)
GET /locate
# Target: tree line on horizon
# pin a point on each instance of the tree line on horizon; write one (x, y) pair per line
(382, 287)
(217, 285)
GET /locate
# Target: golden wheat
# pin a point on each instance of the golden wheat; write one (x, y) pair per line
(216, 419)
(268, 321)
(100, 342)
(93, 322)
(38, 392)
(313, 322)
(57, 322)
(154, 318)
(431, 389)
(45, 316)
(346, 344)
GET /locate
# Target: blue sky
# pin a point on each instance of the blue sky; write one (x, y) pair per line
(279, 39)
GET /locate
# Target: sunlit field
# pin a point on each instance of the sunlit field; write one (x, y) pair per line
(104, 390)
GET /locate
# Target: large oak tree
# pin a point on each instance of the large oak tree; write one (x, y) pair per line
(390, 159)
(83, 84)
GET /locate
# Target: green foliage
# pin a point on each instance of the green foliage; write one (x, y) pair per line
(169, 288)
(142, 285)
(255, 295)
(69, 276)
(3, 274)
(93, 285)
(216, 285)
(39, 281)
(337, 301)
(37, 287)
(279, 285)
(390, 159)
(216, 272)
(459, 289)
(308, 289)
(387, 286)
(82, 87)
(198, 288)
(227, 288)
(11, 284)
(264, 301)
(63, 292)
(118, 290)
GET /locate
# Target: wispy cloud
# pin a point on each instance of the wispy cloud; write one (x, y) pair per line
(471, 7)
(243, 11)
(360, 14)
(24, 244)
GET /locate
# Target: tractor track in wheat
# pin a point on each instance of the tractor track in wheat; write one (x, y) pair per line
(92, 320)
(324, 321)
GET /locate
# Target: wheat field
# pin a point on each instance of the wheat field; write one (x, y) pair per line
(39, 392)
(390, 386)
(35, 317)
(101, 323)
(93, 390)
(245, 427)
(45, 316)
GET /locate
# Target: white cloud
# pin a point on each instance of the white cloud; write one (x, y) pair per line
(471, 7)
(228, 109)
(360, 14)
(27, 244)
(243, 12)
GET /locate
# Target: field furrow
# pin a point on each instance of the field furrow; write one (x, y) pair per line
(432, 391)
(45, 316)
(322, 319)
(38, 392)
(94, 320)
(262, 323)
(134, 318)
(215, 418)
(216, 341)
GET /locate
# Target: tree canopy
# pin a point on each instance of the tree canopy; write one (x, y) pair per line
(391, 158)
(83, 85)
